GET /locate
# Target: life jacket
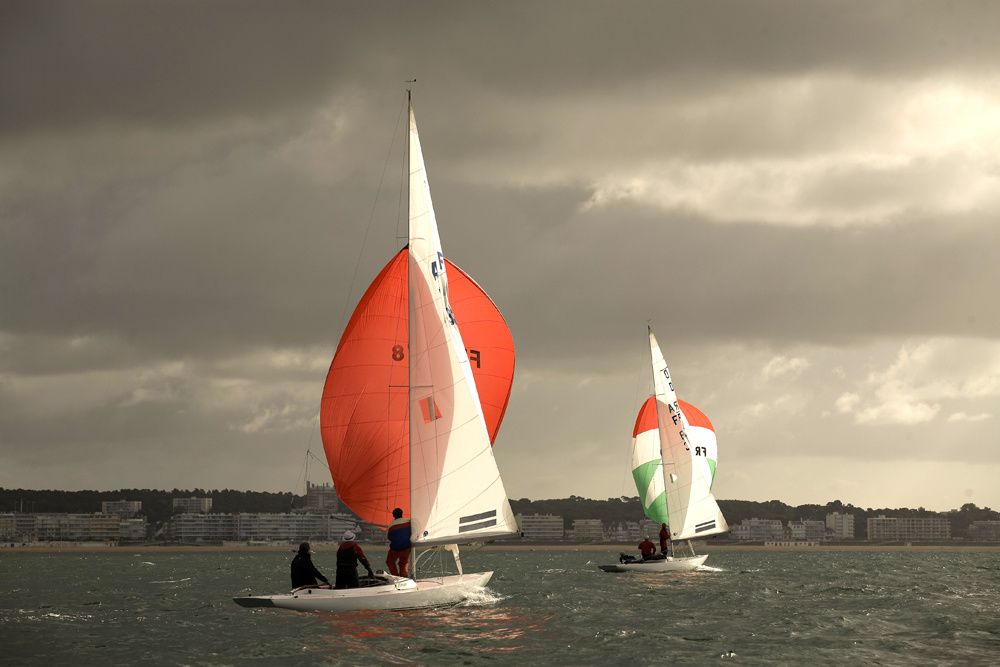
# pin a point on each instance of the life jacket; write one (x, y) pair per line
(399, 534)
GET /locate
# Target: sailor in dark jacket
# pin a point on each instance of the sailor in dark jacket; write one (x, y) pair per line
(304, 573)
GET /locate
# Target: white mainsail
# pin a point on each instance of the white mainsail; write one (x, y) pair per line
(692, 508)
(456, 493)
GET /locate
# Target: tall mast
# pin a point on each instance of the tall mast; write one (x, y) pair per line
(409, 327)
(409, 114)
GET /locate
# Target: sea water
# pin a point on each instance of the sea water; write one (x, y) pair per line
(544, 607)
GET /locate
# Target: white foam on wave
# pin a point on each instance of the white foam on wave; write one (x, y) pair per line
(171, 581)
(481, 597)
(709, 568)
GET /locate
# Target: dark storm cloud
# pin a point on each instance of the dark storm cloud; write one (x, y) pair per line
(185, 188)
(72, 63)
(586, 281)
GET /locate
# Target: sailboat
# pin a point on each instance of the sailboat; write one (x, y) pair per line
(413, 400)
(674, 458)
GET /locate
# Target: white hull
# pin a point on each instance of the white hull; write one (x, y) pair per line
(682, 564)
(398, 593)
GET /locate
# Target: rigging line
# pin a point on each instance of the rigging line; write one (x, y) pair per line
(371, 217)
(303, 478)
(404, 182)
(628, 461)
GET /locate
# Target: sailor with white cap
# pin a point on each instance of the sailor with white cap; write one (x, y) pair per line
(348, 556)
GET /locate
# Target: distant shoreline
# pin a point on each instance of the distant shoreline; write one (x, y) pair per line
(499, 548)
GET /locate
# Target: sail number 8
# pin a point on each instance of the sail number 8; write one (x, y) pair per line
(475, 356)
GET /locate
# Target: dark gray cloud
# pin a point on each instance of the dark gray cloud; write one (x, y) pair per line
(801, 192)
(64, 64)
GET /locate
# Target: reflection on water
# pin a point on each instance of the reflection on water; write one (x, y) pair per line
(393, 636)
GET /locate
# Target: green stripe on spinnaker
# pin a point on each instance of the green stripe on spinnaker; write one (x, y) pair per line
(711, 466)
(657, 511)
(643, 475)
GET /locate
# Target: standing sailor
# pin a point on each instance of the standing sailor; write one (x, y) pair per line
(664, 538)
(399, 535)
(348, 556)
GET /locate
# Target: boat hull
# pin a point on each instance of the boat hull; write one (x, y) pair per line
(399, 593)
(682, 564)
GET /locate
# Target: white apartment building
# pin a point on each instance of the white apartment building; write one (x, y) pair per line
(322, 498)
(132, 530)
(192, 505)
(121, 507)
(192, 528)
(53, 527)
(758, 530)
(540, 527)
(840, 525)
(649, 527)
(289, 527)
(806, 530)
(890, 528)
(588, 530)
(627, 531)
(985, 531)
(261, 527)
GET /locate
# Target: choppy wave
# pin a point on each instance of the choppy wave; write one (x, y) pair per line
(549, 608)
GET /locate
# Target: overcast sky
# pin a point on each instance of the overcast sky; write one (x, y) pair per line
(802, 198)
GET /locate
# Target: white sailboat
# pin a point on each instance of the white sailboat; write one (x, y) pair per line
(405, 425)
(680, 482)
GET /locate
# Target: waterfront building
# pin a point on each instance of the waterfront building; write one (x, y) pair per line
(192, 505)
(758, 530)
(804, 529)
(121, 507)
(193, 528)
(540, 527)
(263, 527)
(60, 527)
(588, 530)
(287, 527)
(984, 531)
(649, 527)
(891, 528)
(132, 530)
(322, 498)
(840, 525)
(8, 527)
(627, 531)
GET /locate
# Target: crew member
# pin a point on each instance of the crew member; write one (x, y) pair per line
(399, 535)
(348, 556)
(304, 573)
(664, 538)
(646, 548)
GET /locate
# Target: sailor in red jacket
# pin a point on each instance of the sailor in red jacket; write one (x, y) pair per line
(647, 549)
(348, 556)
(399, 535)
(664, 538)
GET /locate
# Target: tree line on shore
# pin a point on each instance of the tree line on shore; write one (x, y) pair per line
(157, 506)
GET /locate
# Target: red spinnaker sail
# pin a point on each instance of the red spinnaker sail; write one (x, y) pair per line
(364, 416)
